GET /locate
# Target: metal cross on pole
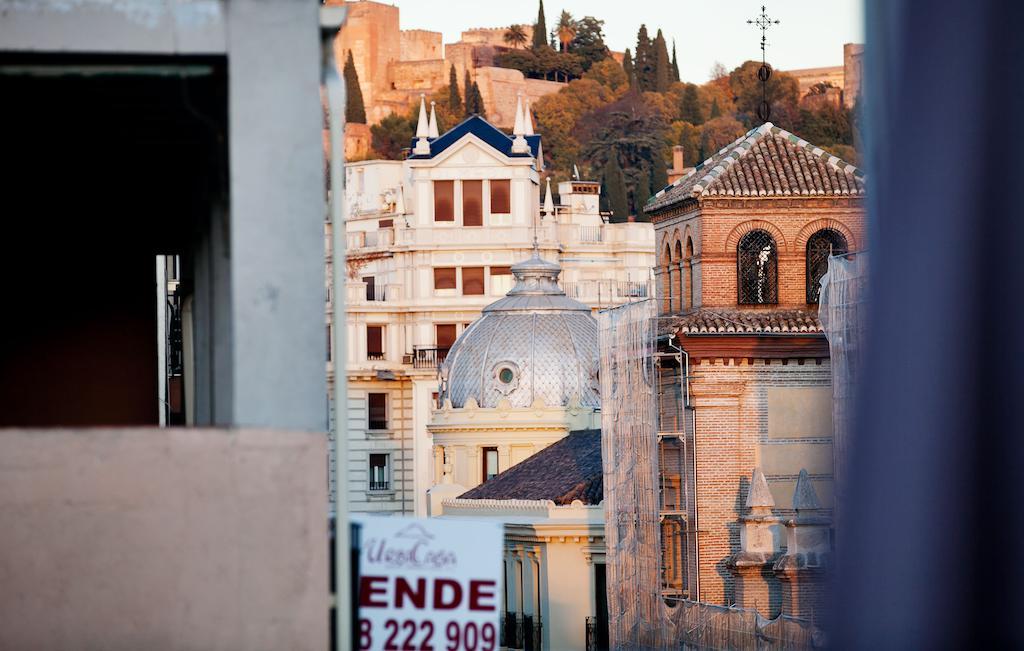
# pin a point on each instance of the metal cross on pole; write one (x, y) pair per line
(764, 73)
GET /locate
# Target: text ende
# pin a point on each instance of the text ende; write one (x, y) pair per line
(422, 593)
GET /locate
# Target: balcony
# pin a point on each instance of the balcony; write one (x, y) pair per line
(360, 240)
(428, 357)
(608, 292)
(597, 634)
(521, 632)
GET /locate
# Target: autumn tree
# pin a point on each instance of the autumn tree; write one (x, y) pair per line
(782, 92)
(687, 136)
(355, 111)
(716, 111)
(718, 133)
(610, 74)
(540, 29)
(515, 36)
(557, 114)
(454, 98)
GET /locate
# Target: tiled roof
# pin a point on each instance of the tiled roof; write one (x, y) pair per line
(482, 129)
(562, 472)
(718, 321)
(766, 162)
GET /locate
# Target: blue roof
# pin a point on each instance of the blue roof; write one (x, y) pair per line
(483, 130)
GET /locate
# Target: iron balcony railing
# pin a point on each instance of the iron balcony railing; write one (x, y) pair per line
(597, 634)
(510, 632)
(376, 292)
(378, 485)
(428, 357)
(521, 632)
(607, 291)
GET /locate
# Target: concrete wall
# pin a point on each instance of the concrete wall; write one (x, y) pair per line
(163, 539)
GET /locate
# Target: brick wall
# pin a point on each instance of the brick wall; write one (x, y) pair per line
(718, 224)
(730, 398)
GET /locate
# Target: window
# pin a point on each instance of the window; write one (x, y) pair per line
(386, 223)
(826, 242)
(678, 265)
(374, 342)
(500, 194)
(378, 410)
(371, 288)
(501, 280)
(689, 272)
(444, 334)
(444, 201)
(328, 343)
(472, 281)
(757, 269)
(472, 203)
(501, 271)
(490, 463)
(379, 478)
(444, 277)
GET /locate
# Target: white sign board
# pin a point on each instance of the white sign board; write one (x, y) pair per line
(429, 584)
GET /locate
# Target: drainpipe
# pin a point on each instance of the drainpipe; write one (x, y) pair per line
(331, 20)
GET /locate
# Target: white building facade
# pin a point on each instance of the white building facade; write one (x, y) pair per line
(431, 242)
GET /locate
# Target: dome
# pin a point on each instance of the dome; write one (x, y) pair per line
(535, 343)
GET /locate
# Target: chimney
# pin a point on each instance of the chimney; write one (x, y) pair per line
(677, 158)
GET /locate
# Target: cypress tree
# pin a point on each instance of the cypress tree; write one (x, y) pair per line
(478, 101)
(689, 109)
(628, 68)
(675, 62)
(540, 29)
(716, 111)
(659, 172)
(615, 182)
(641, 193)
(454, 98)
(662, 64)
(355, 111)
(468, 94)
(644, 60)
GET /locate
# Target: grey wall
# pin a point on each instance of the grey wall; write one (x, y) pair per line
(163, 539)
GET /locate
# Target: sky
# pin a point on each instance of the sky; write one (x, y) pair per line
(811, 32)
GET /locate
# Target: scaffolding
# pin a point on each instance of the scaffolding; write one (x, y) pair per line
(648, 446)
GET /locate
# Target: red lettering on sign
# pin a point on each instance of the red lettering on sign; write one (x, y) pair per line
(480, 590)
(367, 590)
(404, 590)
(440, 602)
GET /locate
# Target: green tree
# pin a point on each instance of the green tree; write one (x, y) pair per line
(675, 62)
(689, 108)
(629, 69)
(659, 172)
(540, 29)
(644, 60)
(662, 64)
(391, 135)
(687, 136)
(355, 111)
(716, 112)
(468, 94)
(557, 114)
(478, 101)
(515, 36)
(615, 187)
(588, 44)
(454, 98)
(565, 30)
(641, 192)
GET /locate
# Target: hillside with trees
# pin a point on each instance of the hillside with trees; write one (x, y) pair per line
(618, 122)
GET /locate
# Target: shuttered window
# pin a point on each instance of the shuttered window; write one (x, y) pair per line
(472, 281)
(500, 200)
(472, 203)
(444, 277)
(444, 201)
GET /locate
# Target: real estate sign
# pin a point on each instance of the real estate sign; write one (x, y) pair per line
(427, 583)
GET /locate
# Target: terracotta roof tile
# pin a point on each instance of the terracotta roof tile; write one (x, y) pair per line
(765, 162)
(564, 471)
(717, 321)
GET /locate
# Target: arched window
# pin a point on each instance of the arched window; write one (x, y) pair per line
(689, 272)
(757, 272)
(677, 266)
(826, 242)
(666, 280)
